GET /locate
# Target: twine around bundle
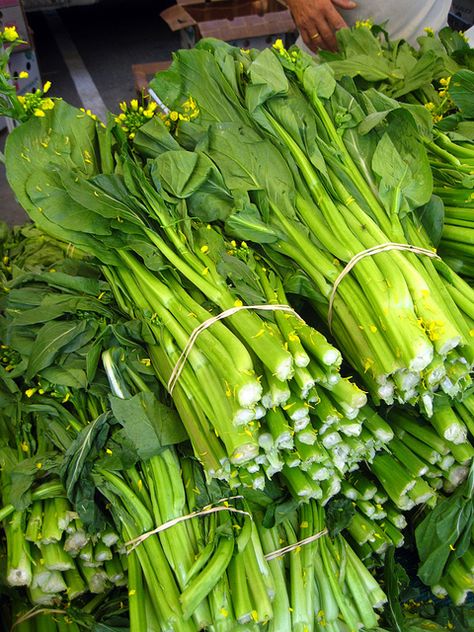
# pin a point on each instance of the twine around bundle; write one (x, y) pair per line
(178, 368)
(221, 505)
(369, 253)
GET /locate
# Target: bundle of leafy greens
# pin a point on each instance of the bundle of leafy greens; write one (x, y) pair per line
(261, 183)
(94, 422)
(439, 75)
(318, 172)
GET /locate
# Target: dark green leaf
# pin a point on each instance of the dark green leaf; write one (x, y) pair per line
(441, 536)
(52, 338)
(461, 91)
(77, 466)
(396, 580)
(339, 514)
(148, 424)
(432, 218)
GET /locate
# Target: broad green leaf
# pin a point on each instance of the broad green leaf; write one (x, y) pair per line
(267, 80)
(401, 162)
(196, 73)
(358, 41)
(445, 532)
(74, 282)
(148, 424)
(247, 223)
(420, 74)
(52, 338)
(73, 378)
(64, 139)
(362, 65)
(154, 138)
(320, 79)
(182, 172)
(461, 91)
(432, 217)
(77, 466)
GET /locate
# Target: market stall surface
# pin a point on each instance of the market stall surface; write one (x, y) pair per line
(87, 53)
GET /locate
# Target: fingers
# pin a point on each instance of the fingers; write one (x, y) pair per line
(345, 4)
(318, 21)
(321, 31)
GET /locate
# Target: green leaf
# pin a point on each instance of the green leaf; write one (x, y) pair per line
(432, 218)
(62, 376)
(20, 478)
(148, 424)
(396, 580)
(320, 79)
(445, 532)
(461, 91)
(339, 514)
(182, 172)
(246, 223)
(52, 338)
(401, 162)
(267, 79)
(76, 470)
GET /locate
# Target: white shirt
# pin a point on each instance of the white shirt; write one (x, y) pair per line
(406, 19)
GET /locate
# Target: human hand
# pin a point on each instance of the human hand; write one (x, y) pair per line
(318, 21)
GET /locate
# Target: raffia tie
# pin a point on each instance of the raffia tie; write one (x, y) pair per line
(133, 544)
(179, 366)
(369, 253)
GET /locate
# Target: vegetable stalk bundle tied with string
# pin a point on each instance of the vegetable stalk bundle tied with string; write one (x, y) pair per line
(259, 392)
(191, 553)
(322, 176)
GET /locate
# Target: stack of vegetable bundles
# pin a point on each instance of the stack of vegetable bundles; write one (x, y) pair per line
(236, 339)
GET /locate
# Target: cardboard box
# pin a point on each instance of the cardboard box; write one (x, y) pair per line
(14, 16)
(25, 60)
(242, 23)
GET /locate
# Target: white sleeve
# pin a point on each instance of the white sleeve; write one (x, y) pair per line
(405, 19)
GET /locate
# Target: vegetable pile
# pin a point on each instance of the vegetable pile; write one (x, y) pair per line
(238, 342)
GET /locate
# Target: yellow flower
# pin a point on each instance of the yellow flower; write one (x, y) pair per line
(23, 75)
(430, 106)
(46, 87)
(360, 24)
(134, 104)
(39, 113)
(174, 116)
(10, 34)
(429, 31)
(47, 104)
(278, 45)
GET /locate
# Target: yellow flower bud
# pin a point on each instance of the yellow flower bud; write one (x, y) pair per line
(10, 34)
